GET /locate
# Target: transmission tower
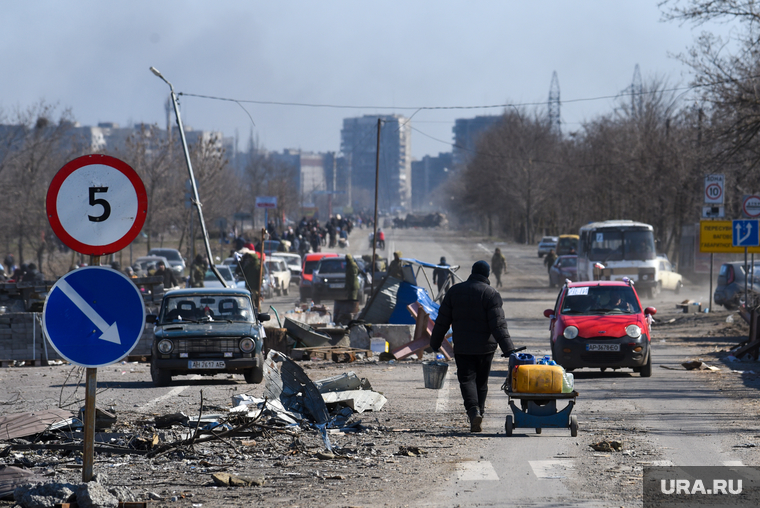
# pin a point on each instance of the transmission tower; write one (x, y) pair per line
(554, 116)
(637, 91)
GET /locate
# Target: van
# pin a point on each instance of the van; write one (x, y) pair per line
(567, 245)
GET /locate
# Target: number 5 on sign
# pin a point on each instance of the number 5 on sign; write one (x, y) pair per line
(96, 204)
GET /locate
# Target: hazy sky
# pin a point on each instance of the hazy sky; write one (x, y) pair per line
(93, 57)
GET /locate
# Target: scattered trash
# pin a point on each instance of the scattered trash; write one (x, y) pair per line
(607, 446)
(410, 451)
(745, 445)
(730, 318)
(732, 358)
(698, 365)
(29, 424)
(228, 480)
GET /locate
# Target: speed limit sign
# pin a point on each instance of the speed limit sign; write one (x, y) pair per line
(714, 185)
(96, 204)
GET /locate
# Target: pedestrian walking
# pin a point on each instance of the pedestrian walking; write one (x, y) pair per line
(550, 259)
(197, 272)
(473, 310)
(498, 265)
(250, 266)
(441, 275)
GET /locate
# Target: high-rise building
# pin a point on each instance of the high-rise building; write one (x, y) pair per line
(359, 146)
(427, 175)
(467, 132)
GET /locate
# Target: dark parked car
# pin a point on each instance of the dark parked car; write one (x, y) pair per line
(329, 279)
(730, 288)
(564, 267)
(207, 331)
(601, 324)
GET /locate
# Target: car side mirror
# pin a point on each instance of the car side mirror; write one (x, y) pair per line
(151, 318)
(650, 311)
(549, 313)
(263, 317)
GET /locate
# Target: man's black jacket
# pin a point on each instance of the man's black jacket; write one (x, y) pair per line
(473, 310)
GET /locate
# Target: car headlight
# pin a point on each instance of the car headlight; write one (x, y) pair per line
(247, 345)
(570, 332)
(633, 331)
(165, 346)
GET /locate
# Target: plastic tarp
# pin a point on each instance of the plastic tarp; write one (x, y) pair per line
(408, 294)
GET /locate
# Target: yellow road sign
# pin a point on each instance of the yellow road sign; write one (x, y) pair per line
(716, 236)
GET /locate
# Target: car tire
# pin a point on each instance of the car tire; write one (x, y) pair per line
(646, 369)
(285, 290)
(256, 374)
(160, 377)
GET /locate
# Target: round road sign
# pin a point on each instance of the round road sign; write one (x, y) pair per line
(94, 316)
(751, 206)
(714, 193)
(96, 204)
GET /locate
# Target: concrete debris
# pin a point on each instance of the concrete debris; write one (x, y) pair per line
(607, 446)
(358, 400)
(94, 495)
(43, 495)
(166, 421)
(12, 477)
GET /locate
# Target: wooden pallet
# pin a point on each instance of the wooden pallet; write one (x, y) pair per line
(335, 353)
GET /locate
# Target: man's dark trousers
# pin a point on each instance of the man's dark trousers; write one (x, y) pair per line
(472, 373)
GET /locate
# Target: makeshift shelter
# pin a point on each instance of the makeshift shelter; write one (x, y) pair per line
(390, 301)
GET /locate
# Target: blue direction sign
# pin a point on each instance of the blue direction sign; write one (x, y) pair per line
(94, 316)
(745, 233)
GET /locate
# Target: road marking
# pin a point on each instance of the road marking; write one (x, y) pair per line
(550, 469)
(481, 246)
(733, 463)
(110, 333)
(662, 463)
(443, 394)
(171, 393)
(476, 471)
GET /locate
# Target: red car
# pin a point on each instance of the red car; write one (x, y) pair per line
(601, 324)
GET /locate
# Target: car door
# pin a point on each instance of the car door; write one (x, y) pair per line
(666, 275)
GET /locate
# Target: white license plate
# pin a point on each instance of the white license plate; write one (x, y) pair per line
(337, 286)
(602, 347)
(208, 364)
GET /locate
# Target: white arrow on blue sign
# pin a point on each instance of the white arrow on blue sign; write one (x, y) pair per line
(745, 233)
(94, 316)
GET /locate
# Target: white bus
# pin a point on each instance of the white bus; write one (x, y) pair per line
(614, 249)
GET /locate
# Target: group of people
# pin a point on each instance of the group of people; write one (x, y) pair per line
(26, 272)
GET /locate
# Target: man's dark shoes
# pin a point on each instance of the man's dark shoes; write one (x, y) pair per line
(476, 419)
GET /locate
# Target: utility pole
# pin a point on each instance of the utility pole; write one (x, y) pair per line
(554, 105)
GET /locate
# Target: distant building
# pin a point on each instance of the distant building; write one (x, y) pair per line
(359, 146)
(427, 175)
(467, 132)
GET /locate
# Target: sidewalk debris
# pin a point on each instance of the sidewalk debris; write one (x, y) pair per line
(29, 424)
(699, 365)
(607, 446)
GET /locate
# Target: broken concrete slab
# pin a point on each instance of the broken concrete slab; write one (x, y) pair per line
(94, 495)
(43, 495)
(228, 480)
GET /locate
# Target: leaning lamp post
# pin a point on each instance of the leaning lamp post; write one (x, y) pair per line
(196, 199)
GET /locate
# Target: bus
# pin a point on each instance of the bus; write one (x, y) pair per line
(567, 244)
(617, 249)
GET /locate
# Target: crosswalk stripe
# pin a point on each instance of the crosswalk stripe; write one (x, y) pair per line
(476, 471)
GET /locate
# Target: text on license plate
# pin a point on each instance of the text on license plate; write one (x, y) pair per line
(602, 347)
(337, 286)
(206, 364)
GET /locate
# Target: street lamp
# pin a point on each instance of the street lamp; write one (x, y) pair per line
(196, 199)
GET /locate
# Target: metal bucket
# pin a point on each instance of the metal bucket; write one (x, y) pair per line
(434, 373)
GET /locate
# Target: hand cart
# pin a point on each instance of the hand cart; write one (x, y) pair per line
(539, 411)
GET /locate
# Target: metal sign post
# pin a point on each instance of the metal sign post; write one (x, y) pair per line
(94, 316)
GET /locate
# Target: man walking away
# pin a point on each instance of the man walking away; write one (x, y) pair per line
(550, 259)
(441, 275)
(197, 272)
(473, 309)
(498, 265)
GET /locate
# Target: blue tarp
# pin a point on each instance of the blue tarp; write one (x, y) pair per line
(408, 294)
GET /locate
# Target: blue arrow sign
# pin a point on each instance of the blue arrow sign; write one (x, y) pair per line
(745, 233)
(94, 316)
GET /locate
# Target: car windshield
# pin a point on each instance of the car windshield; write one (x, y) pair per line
(206, 308)
(170, 254)
(335, 265)
(275, 266)
(224, 271)
(568, 262)
(290, 261)
(595, 300)
(619, 245)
